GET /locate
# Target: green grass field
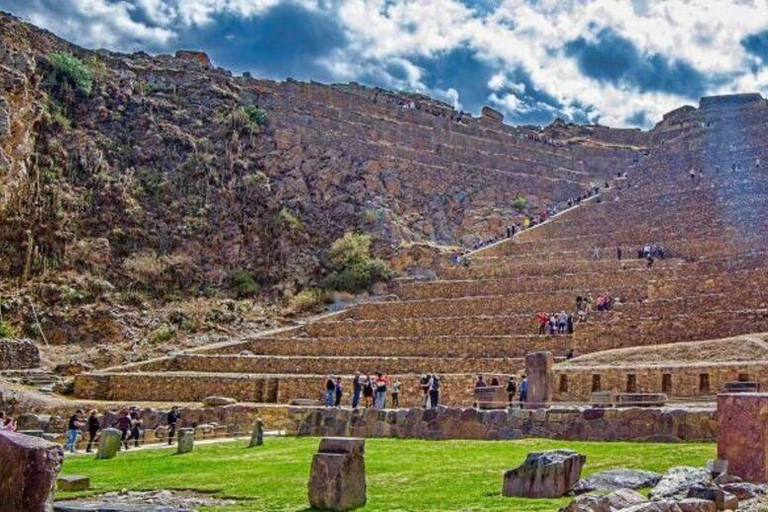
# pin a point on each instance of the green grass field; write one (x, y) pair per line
(402, 474)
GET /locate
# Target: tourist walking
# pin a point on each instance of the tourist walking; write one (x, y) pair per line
(523, 391)
(434, 391)
(511, 390)
(123, 424)
(480, 382)
(357, 389)
(338, 392)
(135, 426)
(330, 392)
(395, 394)
(93, 429)
(73, 428)
(173, 419)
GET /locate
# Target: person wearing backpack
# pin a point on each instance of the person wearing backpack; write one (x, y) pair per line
(511, 390)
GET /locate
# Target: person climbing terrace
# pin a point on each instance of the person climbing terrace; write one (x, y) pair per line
(330, 392)
(338, 392)
(93, 429)
(73, 428)
(523, 391)
(173, 419)
(357, 389)
(511, 390)
(480, 383)
(542, 318)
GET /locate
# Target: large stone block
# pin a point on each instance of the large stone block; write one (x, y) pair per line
(742, 438)
(28, 470)
(109, 443)
(538, 371)
(544, 474)
(186, 439)
(337, 479)
(257, 436)
(73, 483)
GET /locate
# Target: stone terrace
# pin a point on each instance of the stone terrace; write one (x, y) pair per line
(481, 319)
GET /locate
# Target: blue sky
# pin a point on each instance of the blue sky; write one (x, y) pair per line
(620, 63)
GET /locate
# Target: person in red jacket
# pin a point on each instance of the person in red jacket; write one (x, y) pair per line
(543, 319)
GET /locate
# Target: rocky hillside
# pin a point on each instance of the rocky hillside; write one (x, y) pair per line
(132, 184)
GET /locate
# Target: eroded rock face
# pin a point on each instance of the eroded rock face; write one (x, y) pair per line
(28, 470)
(544, 474)
(678, 480)
(337, 479)
(742, 438)
(615, 479)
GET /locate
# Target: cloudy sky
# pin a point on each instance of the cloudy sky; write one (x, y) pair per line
(617, 62)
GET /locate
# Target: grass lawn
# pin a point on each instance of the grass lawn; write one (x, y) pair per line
(402, 474)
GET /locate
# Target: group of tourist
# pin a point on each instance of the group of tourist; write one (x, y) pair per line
(651, 252)
(375, 390)
(128, 421)
(555, 323)
(7, 422)
(511, 388)
(372, 389)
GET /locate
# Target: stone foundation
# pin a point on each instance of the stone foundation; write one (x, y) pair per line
(662, 424)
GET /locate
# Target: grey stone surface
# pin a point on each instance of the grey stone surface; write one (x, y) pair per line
(615, 479)
(100, 506)
(186, 437)
(257, 436)
(28, 470)
(109, 443)
(337, 479)
(544, 474)
(696, 505)
(73, 483)
(744, 490)
(677, 481)
(618, 500)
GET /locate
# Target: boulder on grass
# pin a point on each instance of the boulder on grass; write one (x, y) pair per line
(615, 479)
(544, 474)
(257, 436)
(676, 482)
(109, 443)
(28, 469)
(337, 478)
(73, 483)
(186, 439)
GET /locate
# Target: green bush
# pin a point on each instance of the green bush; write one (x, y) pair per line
(520, 202)
(243, 284)
(256, 115)
(162, 334)
(287, 220)
(352, 267)
(69, 69)
(7, 330)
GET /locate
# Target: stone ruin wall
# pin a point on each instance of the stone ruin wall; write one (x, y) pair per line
(572, 423)
(18, 354)
(684, 380)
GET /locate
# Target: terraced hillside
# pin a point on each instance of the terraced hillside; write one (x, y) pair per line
(480, 319)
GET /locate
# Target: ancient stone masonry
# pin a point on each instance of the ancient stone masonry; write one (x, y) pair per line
(18, 354)
(544, 475)
(337, 478)
(573, 423)
(28, 470)
(742, 438)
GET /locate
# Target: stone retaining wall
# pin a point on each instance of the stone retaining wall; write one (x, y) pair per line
(18, 354)
(572, 423)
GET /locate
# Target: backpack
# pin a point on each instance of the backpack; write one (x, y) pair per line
(435, 383)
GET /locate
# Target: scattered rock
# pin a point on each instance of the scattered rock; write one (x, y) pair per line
(655, 506)
(696, 505)
(544, 474)
(723, 500)
(618, 500)
(744, 490)
(141, 501)
(615, 479)
(216, 401)
(677, 481)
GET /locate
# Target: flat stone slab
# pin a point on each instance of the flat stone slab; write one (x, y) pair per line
(102, 506)
(640, 399)
(548, 474)
(73, 483)
(615, 479)
(741, 387)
